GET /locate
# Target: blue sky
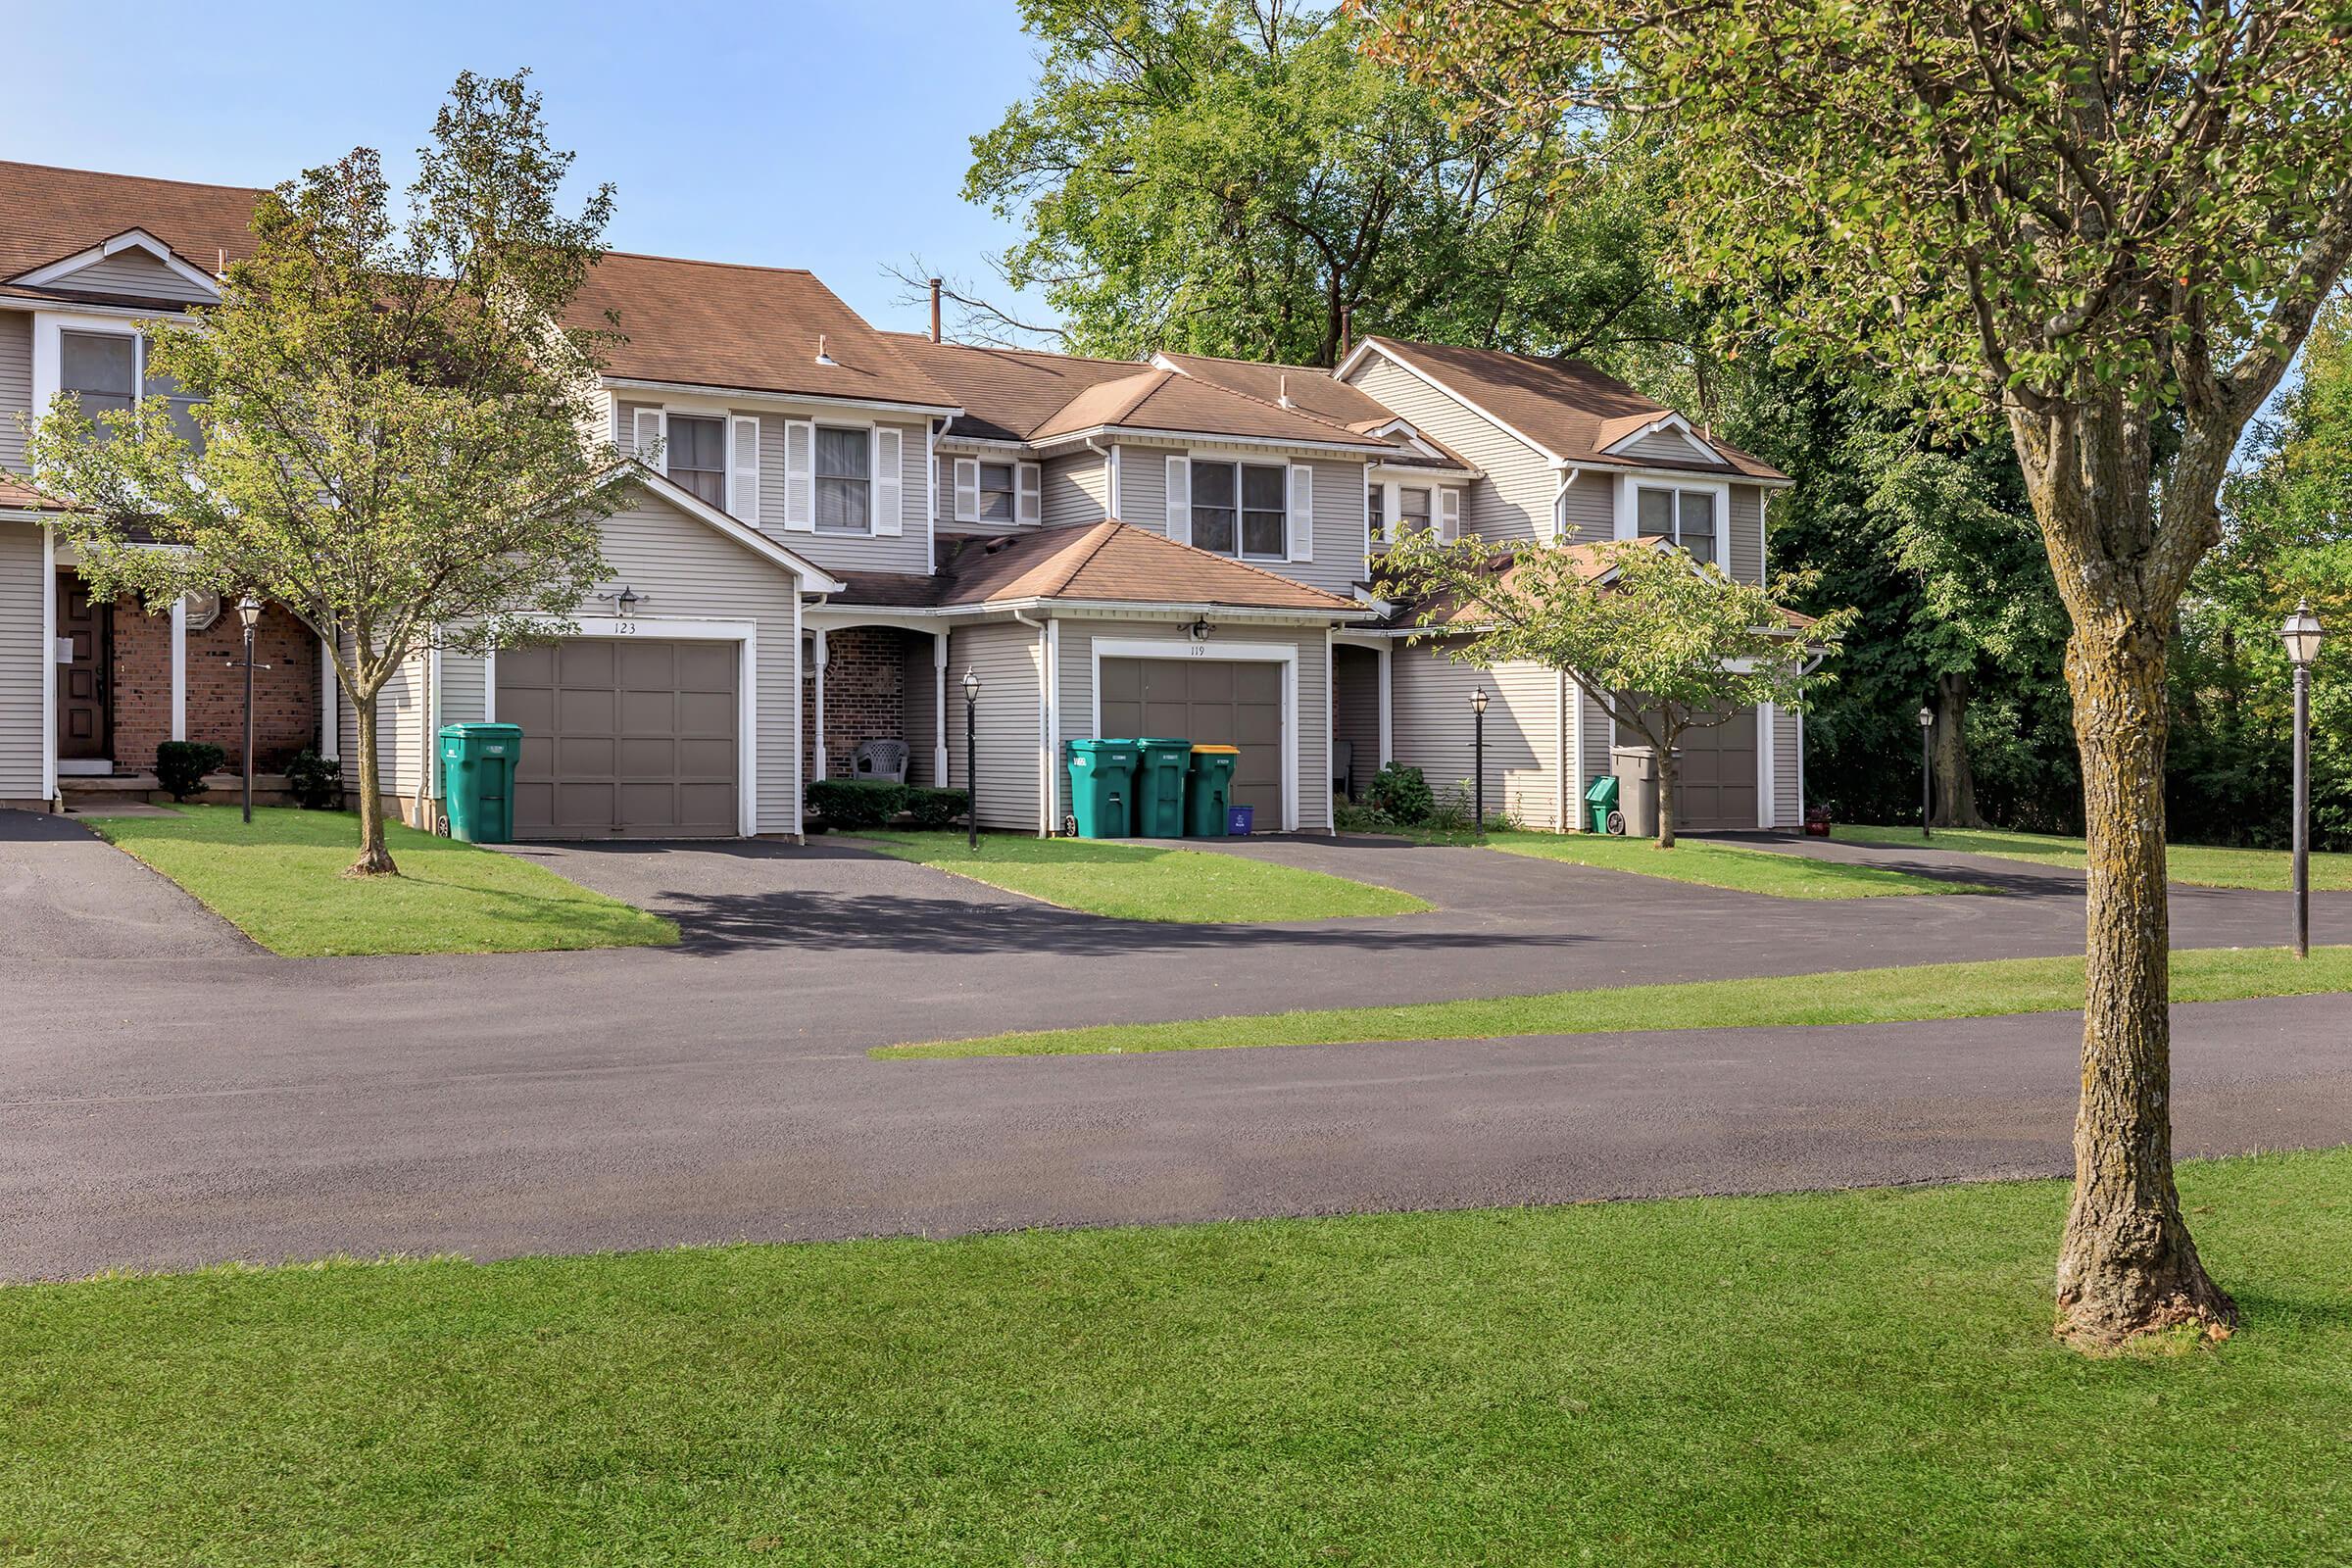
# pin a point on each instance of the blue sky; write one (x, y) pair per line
(827, 136)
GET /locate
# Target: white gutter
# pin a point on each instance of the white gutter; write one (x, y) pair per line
(764, 395)
(1204, 438)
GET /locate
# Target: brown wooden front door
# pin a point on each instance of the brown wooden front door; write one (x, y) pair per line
(86, 731)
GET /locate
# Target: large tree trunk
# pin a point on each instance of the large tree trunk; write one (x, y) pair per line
(1955, 785)
(375, 859)
(2126, 1265)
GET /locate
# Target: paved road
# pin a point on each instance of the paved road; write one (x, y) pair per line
(172, 1101)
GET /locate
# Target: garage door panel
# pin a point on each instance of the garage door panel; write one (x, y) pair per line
(1257, 683)
(1717, 780)
(1258, 726)
(1205, 681)
(624, 737)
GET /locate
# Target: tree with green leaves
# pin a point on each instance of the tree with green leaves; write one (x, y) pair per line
(1239, 178)
(2100, 227)
(389, 435)
(1663, 644)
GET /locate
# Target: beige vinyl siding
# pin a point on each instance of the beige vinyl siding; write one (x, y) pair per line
(1745, 547)
(1005, 654)
(1143, 486)
(400, 750)
(136, 274)
(24, 655)
(1664, 448)
(627, 438)
(1355, 710)
(15, 386)
(1513, 499)
(465, 699)
(1339, 507)
(1074, 490)
(1591, 508)
(1309, 719)
(1599, 737)
(1431, 726)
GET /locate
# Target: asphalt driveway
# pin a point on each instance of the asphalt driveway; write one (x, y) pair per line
(180, 1098)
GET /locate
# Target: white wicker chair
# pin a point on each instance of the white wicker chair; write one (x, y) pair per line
(878, 761)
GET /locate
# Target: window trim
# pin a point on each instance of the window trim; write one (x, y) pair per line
(1628, 507)
(726, 453)
(48, 351)
(817, 428)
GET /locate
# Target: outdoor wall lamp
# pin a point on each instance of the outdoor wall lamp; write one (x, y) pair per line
(2302, 635)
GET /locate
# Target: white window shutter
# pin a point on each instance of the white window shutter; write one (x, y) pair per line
(1029, 493)
(1180, 500)
(1449, 514)
(648, 435)
(967, 489)
(1302, 512)
(1387, 512)
(742, 467)
(890, 479)
(800, 475)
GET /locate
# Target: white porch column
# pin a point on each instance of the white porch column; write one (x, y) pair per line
(1388, 733)
(939, 709)
(818, 772)
(179, 669)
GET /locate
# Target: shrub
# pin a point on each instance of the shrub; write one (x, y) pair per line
(936, 809)
(1400, 793)
(315, 783)
(180, 767)
(848, 803)
(1349, 817)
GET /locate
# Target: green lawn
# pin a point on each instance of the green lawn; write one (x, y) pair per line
(279, 882)
(1131, 880)
(1852, 996)
(1724, 865)
(1854, 1378)
(2200, 864)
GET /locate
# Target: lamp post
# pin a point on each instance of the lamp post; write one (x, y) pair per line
(249, 614)
(971, 759)
(1926, 768)
(1478, 757)
(2302, 635)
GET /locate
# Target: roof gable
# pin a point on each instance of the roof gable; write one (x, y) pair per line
(53, 216)
(133, 264)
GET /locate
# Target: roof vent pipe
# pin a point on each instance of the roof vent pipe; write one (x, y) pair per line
(1283, 397)
(935, 310)
(1346, 328)
(823, 358)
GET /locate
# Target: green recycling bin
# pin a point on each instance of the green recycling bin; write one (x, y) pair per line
(1160, 787)
(477, 780)
(1600, 799)
(1102, 787)
(1208, 791)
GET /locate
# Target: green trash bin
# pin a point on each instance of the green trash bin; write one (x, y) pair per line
(1600, 799)
(1208, 791)
(477, 780)
(1160, 787)
(1102, 787)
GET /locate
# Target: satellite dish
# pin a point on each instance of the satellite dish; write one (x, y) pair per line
(203, 609)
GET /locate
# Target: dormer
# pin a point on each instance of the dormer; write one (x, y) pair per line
(1664, 438)
(132, 264)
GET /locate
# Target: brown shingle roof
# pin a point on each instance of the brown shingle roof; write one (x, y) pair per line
(1153, 399)
(49, 213)
(18, 496)
(1564, 404)
(750, 328)
(1006, 393)
(1321, 393)
(1100, 563)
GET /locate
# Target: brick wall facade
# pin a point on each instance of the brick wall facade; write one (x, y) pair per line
(285, 696)
(865, 692)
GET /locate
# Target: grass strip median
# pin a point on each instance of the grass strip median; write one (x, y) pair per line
(1845, 1378)
(2204, 865)
(1980, 990)
(1126, 879)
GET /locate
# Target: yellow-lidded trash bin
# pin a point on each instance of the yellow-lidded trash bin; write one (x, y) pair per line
(1208, 790)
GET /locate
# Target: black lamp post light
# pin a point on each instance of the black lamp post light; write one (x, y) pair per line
(971, 759)
(1478, 758)
(2302, 635)
(1926, 768)
(249, 615)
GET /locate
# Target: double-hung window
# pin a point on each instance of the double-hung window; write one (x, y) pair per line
(108, 370)
(1684, 516)
(1242, 508)
(996, 492)
(698, 456)
(845, 467)
(1412, 512)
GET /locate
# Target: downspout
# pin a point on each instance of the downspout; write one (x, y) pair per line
(432, 706)
(1111, 479)
(1048, 716)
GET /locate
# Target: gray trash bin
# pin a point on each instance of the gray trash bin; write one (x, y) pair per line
(1637, 774)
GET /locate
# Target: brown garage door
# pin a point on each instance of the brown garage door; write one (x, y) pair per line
(1207, 701)
(622, 738)
(1717, 785)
